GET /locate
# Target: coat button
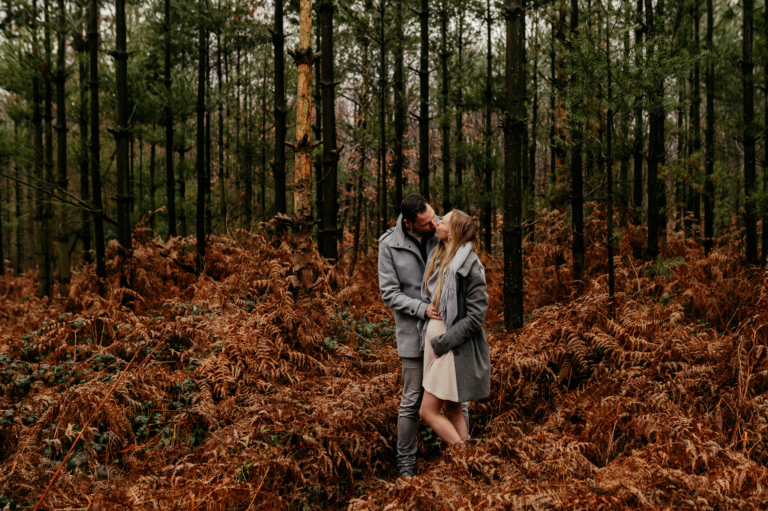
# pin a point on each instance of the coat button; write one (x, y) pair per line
(455, 352)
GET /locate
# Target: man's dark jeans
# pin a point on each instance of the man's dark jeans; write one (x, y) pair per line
(408, 418)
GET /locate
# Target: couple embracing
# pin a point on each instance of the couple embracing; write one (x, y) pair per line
(430, 275)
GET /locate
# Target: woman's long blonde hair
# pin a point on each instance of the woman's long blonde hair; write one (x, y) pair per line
(463, 231)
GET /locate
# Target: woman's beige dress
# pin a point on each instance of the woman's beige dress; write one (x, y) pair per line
(439, 373)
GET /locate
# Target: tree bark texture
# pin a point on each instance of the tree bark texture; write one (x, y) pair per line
(98, 214)
(445, 121)
(170, 188)
(200, 146)
(330, 152)
(121, 132)
(278, 165)
(400, 104)
(383, 214)
(514, 125)
(637, 146)
(577, 184)
(424, 100)
(46, 268)
(488, 168)
(748, 87)
(62, 238)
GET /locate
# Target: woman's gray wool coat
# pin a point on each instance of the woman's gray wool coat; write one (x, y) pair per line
(466, 337)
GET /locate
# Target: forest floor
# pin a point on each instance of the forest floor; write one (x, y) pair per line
(225, 392)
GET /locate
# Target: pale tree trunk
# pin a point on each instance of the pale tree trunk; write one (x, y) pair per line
(709, 135)
(302, 183)
(577, 185)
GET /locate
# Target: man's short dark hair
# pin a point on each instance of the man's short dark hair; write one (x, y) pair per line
(412, 206)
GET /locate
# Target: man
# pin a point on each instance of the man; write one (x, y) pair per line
(403, 252)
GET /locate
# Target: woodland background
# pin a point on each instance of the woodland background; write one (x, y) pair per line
(158, 350)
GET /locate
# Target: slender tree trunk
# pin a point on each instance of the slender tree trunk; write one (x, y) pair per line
(85, 195)
(208, 140)
(302, 169)
(220, 141)
(748, 86)
(181, 174)
(400, 103)
(169, 172)
(445, 121)
(330, 152)
(552, 122)
(152, 184)
(278, 166)
(460, 149)
(62, 237)
(238, 122)
(764, 253)
(488, 177)
(382, 118)
(141, 175)
(637, 146)
(609, 160)
(200, 146)
(709, 162)
(361, 167)
(577, 184)
(121, 133)
(248, 150)
(19, 201)
(318, 129)
(424, 100)
(98, 221)
(263, 204)
(46, 269)
(655, 148)
(530, 185)
(694, 199)
(513, 139)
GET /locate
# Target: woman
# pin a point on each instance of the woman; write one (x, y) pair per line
(457, 363)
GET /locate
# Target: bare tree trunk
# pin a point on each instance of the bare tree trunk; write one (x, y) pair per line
(382, 117)
(460, 149)
(302, 171)
(220, 140)
(200, 149)
(514, 126)
(637, 147)
(278, 166)
(748, 86)
(361, 167)
(423, 117)
(488, 175)
(329, 232)
(85, 195)
(62, 237)
(655, 148)
(46, 269)
(445, 122)
(694, 197)
(530, 185)
(318, 129)
(121, 133)
(98, 221)
(400, 103)
(577, 184)
(208, 139)
(152, 184)
(609, 160)
(169, 173)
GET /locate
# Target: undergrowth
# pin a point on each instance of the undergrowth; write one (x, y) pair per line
(242, 395)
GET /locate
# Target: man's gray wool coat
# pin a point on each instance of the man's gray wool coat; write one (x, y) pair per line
(401, 270)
